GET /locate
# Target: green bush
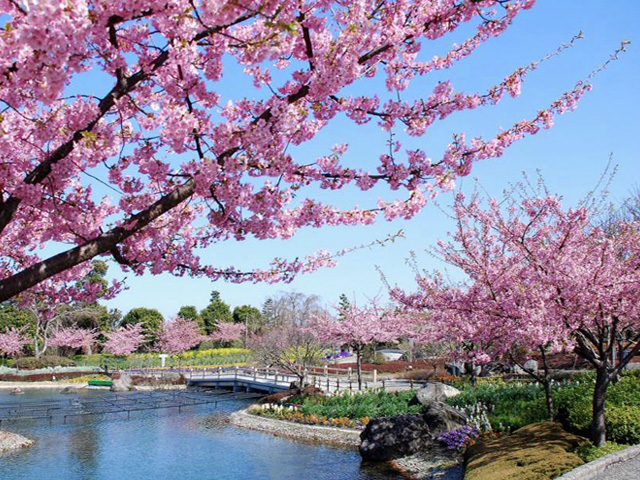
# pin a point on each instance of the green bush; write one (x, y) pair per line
(622, 409)
(623, 423)
(509, 406)
(588, 452)
(359, 405)
(33, 363)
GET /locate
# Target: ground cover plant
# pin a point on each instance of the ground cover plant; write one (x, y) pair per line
(540, 451)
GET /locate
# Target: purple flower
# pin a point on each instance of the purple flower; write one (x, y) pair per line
(459, 438)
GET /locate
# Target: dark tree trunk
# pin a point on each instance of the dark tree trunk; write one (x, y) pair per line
(598, 426)
(359, 366)
(546, 383)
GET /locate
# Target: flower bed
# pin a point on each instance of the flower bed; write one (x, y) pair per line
(292, 413)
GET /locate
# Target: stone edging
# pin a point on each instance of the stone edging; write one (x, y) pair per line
(284, 428)
(40, 385)
(13, 441)
(591, 470)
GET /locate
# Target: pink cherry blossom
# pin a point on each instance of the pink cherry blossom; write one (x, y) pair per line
(180, 335)
(124, 340)
(12, 342)
(165, 161)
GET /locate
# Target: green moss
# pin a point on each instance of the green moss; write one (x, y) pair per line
(538, 451)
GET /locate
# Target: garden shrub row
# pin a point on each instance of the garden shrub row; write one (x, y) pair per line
(510, 406)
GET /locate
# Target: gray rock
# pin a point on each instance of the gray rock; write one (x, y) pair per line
(388, 438)
(122, 384)
(531, 365)
(67, 390)
(17, 391)
(435, 392)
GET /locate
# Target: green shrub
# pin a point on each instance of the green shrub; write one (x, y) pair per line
(33, 363)
(359, 405)
(622, 409)
(509, 406)
(623, 423)
(588, 452)
(574, 406)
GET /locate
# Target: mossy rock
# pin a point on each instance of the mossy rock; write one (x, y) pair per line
(539, 451)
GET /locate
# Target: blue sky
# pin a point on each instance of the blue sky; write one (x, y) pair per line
(571, 156)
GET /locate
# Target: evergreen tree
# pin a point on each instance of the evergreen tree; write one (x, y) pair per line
(217, 311)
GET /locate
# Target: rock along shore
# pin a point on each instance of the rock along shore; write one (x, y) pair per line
(423, 465)
(13, 441)
(316, 433)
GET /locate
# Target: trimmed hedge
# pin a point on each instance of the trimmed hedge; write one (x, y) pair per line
(33, 363)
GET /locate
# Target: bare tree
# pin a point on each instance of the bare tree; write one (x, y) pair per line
(290, 347)
(293, 308)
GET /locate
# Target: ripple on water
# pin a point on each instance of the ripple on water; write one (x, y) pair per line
(198, 444)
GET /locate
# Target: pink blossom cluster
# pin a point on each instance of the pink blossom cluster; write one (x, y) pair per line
(182, 169)
(226, 332)
(12, 342)
(124, 340)
(180, 335)
(72, 337)
(539, 276)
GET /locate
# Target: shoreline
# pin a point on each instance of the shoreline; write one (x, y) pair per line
(48, 384)
(344, 437)
(420, 466)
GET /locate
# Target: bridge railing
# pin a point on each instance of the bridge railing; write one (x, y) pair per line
(328, 379)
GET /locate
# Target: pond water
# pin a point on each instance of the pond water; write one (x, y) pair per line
(163, 445)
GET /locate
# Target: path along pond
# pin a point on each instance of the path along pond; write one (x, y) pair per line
(196, 444)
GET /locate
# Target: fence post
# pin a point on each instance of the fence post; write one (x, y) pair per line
(328, 386)
(349, 372)
(255, 374)
(375, 376)
(383, 386)
(326, 370)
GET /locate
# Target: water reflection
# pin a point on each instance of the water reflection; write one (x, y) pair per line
(198, 444)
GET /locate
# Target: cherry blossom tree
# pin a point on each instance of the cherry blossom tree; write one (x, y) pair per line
(12, 342)
(124, 340)
(180, 335)
(358, 327)
(73, 337)
(185, 166)
(541, 276)
(226, 332)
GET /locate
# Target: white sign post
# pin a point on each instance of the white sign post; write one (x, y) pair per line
(163, 359)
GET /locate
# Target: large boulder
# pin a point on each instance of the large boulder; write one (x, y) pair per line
(122, 384)
(388, 438)
(435, 392)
